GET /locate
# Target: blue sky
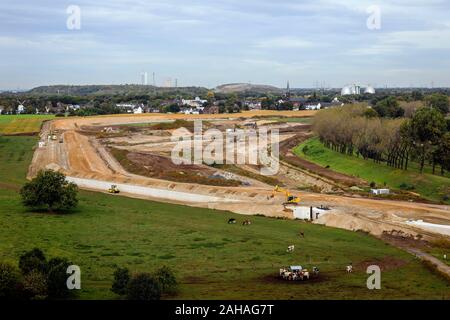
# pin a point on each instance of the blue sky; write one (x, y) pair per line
(208, 43)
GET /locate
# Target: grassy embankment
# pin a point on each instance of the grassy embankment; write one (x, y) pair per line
(210, 258)
(433, 187)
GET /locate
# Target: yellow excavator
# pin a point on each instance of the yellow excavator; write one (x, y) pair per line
(113, 189)
(290, 198)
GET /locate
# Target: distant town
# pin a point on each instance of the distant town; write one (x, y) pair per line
(230, 98)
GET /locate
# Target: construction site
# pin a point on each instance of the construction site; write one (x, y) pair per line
(132, 154)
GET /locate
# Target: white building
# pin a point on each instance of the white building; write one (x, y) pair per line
(195, 110)
(138, 110)
(197, 102)
(313, 106)
(131, 108)
(306, 213)
(379, 191)
(20, 108)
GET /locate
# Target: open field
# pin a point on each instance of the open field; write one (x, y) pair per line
(430, 186)
(22, 124)
(211, 259)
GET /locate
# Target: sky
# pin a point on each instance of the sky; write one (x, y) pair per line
(309, 43)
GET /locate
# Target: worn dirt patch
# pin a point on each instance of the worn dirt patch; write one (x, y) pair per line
(270, 278)
(386, 263)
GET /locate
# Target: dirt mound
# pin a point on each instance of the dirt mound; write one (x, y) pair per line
(160, 167)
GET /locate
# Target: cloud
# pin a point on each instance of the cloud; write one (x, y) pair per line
(404, 41)
(222, 40)
(284, 42)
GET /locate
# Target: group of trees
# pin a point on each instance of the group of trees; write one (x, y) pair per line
(357, 130)
(36, 278)
(144, 286)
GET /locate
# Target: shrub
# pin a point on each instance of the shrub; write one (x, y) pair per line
(143, 286)
(373, 184)
(33, 260)
(10, 281)
(167, 280)
(35, 285)
(405, 186)
(121, 280)
(57, 278)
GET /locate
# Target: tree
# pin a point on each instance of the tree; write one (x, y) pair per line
(50, 189)
(10, 281)
(143, 286)
(121, 280)
(438, 101)
(35, 285)
(33, 260)
(389, 108)
(425, 130)
(166, 279)
(417, 95)
(57, 278)
(441, 155)
(210, 96)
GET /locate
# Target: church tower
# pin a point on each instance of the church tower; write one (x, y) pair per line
(288, 91)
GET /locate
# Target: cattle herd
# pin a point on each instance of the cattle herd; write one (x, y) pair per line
(297, 273)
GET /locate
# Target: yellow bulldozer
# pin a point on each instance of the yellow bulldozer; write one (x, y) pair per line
(290, 198)
(113, 189)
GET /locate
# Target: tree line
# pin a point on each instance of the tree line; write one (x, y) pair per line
(359, 130)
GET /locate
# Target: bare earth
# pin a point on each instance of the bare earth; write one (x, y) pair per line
(86, 160)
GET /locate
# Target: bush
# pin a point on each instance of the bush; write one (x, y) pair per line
(143, 286)
(50, 189)
(57, 278)
(121, 280)
(405, 186)
(373, 184)
(167, 280)
(10, 281)
(35, 285)
(33, 260)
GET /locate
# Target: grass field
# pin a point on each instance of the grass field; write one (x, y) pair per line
(430, 186)
(210, 258)
(22, 123)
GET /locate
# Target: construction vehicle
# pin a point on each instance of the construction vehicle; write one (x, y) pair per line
(290, 198)
(113, 189)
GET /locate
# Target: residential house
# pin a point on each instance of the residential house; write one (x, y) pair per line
(197, 102)
(252, 104)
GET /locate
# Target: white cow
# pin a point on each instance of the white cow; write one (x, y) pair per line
(349, 269)
(290, 248)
